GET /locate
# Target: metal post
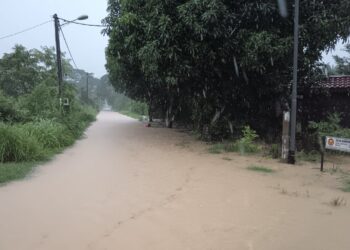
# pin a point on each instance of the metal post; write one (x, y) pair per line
(292, 149)
(58, 55)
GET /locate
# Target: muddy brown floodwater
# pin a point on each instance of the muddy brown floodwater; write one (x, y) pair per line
(125, 186)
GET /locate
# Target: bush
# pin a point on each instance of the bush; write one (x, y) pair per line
(42, 102)
(77, 120)
(330, 127)
(16, 145)
(8, 111)
(246, 143)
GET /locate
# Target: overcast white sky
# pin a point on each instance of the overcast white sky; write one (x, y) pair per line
(86, 43)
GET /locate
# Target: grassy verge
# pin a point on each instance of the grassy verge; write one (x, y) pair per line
(346, 186)
(15, 171)
(217, 148)
(261, 169)
(25, 145)
(130, 114)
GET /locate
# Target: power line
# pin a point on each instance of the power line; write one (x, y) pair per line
(84, 24)
(70, 53)
(25, 30)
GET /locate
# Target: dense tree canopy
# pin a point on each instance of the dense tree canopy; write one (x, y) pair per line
(217, 64)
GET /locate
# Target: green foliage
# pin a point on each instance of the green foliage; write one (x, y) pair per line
(330, 127)
(32, 125)
(247, 143)
(260, 169)
(36, 140)
(14, 171)
(312, 156)
(49, 133)
(42, 102)
(17, 144)
(217, 148)
(23, 69)
(8, 111)
(346, 187)
(211, 62)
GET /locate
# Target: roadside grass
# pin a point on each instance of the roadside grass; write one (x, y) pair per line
(217, 148)
(227, 159)
(24, 146)
(15, 171)
(183, 144)
(261, 169)
(346, 185)
(312, 156)
(130, 114)
(238, 146)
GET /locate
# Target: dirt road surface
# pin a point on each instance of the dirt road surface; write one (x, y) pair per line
(125, 187)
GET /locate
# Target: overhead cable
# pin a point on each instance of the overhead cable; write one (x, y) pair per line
(70, 53)
(84, 24)
(25, 30)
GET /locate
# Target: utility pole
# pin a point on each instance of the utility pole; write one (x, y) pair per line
(87, 86)
(293, 121)
(58, 55)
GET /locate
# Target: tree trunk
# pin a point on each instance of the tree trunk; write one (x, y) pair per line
(150, 115)
(169, 117)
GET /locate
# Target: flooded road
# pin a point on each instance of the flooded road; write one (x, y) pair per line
(125, 186)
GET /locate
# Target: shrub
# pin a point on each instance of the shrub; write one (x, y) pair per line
(16, 144)
(330, 127)
(42, 102)
(246, 143)
(77, 120)
(8, 111)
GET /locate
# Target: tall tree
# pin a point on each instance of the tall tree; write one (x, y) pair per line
(216, 63)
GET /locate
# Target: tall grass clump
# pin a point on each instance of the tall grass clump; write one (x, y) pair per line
(17, 145)
(49, 133)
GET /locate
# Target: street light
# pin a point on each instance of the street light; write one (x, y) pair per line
(58, 49)
(80, 18)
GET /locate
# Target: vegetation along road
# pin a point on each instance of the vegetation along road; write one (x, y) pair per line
(125, 186)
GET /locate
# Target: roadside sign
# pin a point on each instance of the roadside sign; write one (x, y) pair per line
(339, 144)
(334, 143)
